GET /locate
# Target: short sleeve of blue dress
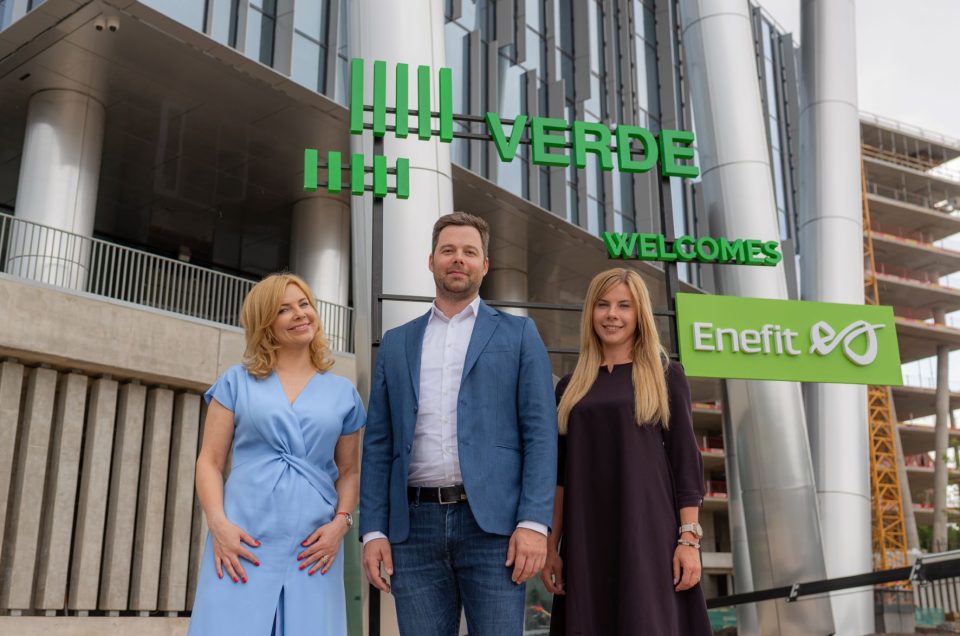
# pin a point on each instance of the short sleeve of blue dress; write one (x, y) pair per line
(224, 390)
(280, 489)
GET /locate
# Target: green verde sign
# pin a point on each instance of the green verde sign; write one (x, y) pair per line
(553, 142)
(760, 339)
(706, 249)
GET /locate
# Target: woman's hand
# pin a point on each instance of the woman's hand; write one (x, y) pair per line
(686, 562)
(228, 549)
(552, 572)
(323, 545)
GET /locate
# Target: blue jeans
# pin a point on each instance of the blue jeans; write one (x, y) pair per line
(447, 563)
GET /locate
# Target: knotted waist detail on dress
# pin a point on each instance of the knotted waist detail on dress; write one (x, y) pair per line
(318, 479)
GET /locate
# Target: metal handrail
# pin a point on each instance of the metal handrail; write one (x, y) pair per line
(56, 257)
(933, 170)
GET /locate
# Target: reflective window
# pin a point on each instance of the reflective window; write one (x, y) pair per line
(188, 12)
(223, 21)
(309, 63)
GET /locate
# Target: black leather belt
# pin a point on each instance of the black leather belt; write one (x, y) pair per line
(441, 495)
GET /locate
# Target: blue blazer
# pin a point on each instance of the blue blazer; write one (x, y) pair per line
(506, 426)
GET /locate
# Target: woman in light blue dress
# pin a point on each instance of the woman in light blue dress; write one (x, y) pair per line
(273, 559)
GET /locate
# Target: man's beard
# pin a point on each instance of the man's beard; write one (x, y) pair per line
(455, 293)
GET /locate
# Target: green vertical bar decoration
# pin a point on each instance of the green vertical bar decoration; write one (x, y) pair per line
(446, 105)
(379, 176)
(403, 178)
(356, 174)
(356, 96)
(334, 181)
(379, 98)
(310, 169)
(402, 103)
(423, 102)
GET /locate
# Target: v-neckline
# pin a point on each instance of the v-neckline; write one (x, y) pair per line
(292, 403)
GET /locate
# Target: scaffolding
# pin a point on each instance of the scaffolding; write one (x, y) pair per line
(889, 527)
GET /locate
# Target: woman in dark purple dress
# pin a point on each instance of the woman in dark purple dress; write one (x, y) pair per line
(623, 555)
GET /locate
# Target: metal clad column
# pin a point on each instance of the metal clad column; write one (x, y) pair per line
(26, 503)
(61, 496)
(767, 418)
(92, 503)
(122, 503)
(11, 384)
(57, 187)
(831, 243)
(176, 535)
(148, 538)
(410, 32)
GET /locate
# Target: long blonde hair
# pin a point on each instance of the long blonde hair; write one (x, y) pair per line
(259, 310)
(649, 359)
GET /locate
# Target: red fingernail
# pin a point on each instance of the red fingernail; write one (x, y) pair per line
(244, 579)
(234, 580)
(257, 542)
(311, 572)
(303, 566)
(299, 557)
(257, 563)
(304, 542)
(220, 575)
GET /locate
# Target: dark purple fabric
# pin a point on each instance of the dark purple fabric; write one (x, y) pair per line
(623, 487)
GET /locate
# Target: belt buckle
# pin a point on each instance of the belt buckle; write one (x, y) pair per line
(444, 501)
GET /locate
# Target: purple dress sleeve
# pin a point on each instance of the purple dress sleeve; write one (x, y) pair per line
(686, 461)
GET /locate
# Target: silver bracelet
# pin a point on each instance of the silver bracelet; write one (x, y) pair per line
(688, 543)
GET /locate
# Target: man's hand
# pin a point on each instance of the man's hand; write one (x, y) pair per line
(527, 553)
(376, 552)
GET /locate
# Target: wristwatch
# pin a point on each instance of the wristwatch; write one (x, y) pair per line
(348, 516)
(695, 528)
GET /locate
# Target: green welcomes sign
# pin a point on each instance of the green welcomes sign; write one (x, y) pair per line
(706, 249)
(759, 339)
(553, 142)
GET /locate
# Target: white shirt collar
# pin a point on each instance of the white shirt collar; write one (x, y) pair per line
(470, 310)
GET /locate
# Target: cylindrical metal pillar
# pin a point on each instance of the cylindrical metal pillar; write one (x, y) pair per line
(320, 254)
(941, 441)
(506, 283)
(831, 242)
(57, 188)
(767, 424)
(410, 32)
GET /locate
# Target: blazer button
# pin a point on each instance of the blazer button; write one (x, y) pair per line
(409, 447)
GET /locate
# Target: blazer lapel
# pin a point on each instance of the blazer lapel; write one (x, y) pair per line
(414, 349)
(487, 321)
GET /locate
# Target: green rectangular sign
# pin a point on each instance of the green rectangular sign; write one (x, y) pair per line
(760, 339)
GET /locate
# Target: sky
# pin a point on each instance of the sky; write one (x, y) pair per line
(908, 66)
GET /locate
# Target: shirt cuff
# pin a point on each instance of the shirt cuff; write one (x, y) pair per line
(529, 525)
(370, 536)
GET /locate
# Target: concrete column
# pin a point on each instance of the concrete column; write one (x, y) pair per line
(122, 502)
(506, 283)
(61, 492)
(11, 383)
(94, 490)
(410, 32)
(831, 242)
(29, 480)
(767, 427)
(174, 566)
(198, 529)
(57, 188)
(941, 442)
(148, 536)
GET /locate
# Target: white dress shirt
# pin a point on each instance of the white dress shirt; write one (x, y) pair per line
(434, 458)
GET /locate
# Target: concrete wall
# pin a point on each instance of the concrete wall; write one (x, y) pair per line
(100, 425)
(74, 330)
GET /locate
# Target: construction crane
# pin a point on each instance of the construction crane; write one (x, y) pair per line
(889, 528)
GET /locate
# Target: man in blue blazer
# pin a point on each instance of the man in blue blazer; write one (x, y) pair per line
(459, 453)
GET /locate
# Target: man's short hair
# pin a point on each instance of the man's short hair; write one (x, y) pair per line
(466, 219)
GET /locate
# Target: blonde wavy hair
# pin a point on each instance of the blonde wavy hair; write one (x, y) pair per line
(259, 311)
(651, 402)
